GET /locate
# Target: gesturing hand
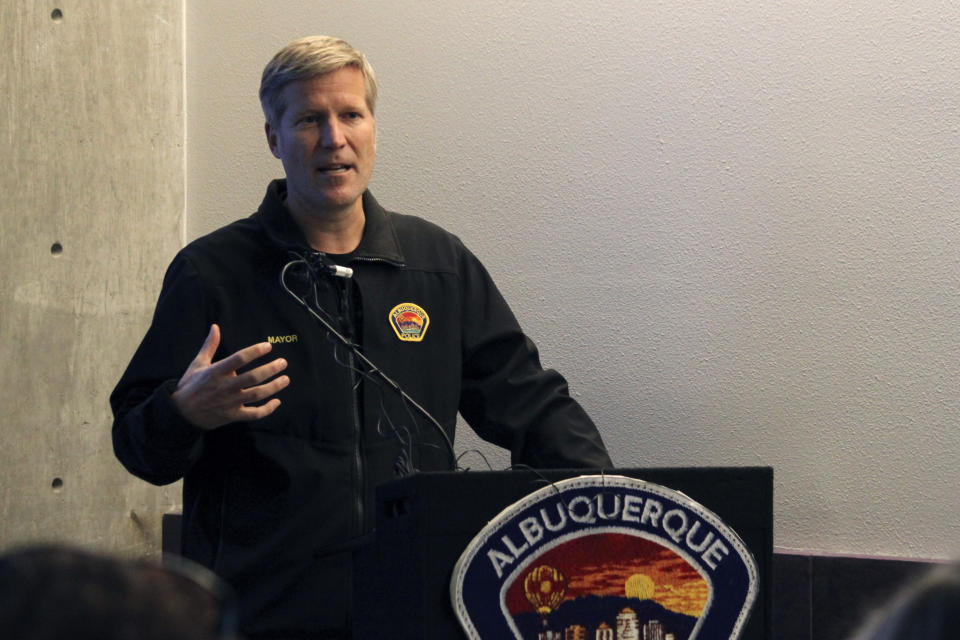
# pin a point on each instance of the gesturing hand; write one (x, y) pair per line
(212, 394)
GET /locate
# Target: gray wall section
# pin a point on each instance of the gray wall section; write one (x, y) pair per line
(91, 141)
(733, 226)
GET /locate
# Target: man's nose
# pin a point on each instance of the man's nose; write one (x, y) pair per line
(332, 135)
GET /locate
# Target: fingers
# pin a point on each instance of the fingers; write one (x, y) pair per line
(242, 411)
(243, 357)
(263, 372)
(248, 414)
(260, 392)
(210, 344)
(212, 394)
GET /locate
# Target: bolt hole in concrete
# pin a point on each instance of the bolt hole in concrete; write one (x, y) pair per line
(57, 15)
(56, 249)
(57, 485)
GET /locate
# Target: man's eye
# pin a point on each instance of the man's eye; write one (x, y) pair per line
(307, 121)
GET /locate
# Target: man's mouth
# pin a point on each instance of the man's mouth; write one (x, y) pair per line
(334, 168)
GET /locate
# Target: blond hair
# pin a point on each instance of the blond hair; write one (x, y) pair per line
(307, 58)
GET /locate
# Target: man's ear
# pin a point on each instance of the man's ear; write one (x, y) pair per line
(271, 138)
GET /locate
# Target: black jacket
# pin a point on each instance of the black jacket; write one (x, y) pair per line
(273, 506)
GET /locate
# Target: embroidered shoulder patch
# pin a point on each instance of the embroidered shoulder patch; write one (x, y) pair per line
(605, 557)
(409, 321)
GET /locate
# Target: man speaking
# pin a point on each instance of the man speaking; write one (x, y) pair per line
(301, 356)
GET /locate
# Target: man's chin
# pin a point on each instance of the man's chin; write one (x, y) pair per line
(331, 201)
(322, 196)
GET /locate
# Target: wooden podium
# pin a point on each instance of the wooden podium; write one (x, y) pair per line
(424, 522)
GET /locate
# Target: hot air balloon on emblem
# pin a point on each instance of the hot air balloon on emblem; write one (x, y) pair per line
(544, 588)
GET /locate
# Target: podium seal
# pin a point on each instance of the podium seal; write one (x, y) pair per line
(604, 557)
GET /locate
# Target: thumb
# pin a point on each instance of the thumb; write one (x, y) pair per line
(205, 355)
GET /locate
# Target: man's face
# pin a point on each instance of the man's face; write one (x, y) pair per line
(326, 140)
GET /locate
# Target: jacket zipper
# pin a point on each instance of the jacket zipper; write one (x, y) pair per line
(358, 451)
(350, 330)
(346, 302)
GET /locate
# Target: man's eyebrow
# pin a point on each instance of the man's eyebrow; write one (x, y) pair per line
(306, 111)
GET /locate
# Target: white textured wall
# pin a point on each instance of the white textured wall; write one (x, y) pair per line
(733, 226)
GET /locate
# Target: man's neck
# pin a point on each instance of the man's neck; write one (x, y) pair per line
(336, 231)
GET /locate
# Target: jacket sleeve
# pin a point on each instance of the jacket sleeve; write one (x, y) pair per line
(507, 397)
(150, 437)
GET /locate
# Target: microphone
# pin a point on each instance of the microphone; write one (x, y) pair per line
(320, 262)
(340, 272)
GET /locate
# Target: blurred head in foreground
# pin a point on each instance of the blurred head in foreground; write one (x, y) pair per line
(54, 592)
(928, 608)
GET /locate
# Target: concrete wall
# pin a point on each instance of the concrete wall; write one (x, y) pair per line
(733, 225)
(91, 145)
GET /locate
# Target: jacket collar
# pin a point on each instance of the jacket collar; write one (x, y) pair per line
(379, 241)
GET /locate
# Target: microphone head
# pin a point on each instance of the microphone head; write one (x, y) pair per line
(321, 263)
(341, 272)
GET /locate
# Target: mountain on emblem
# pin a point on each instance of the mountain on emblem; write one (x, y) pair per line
(605, 558)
